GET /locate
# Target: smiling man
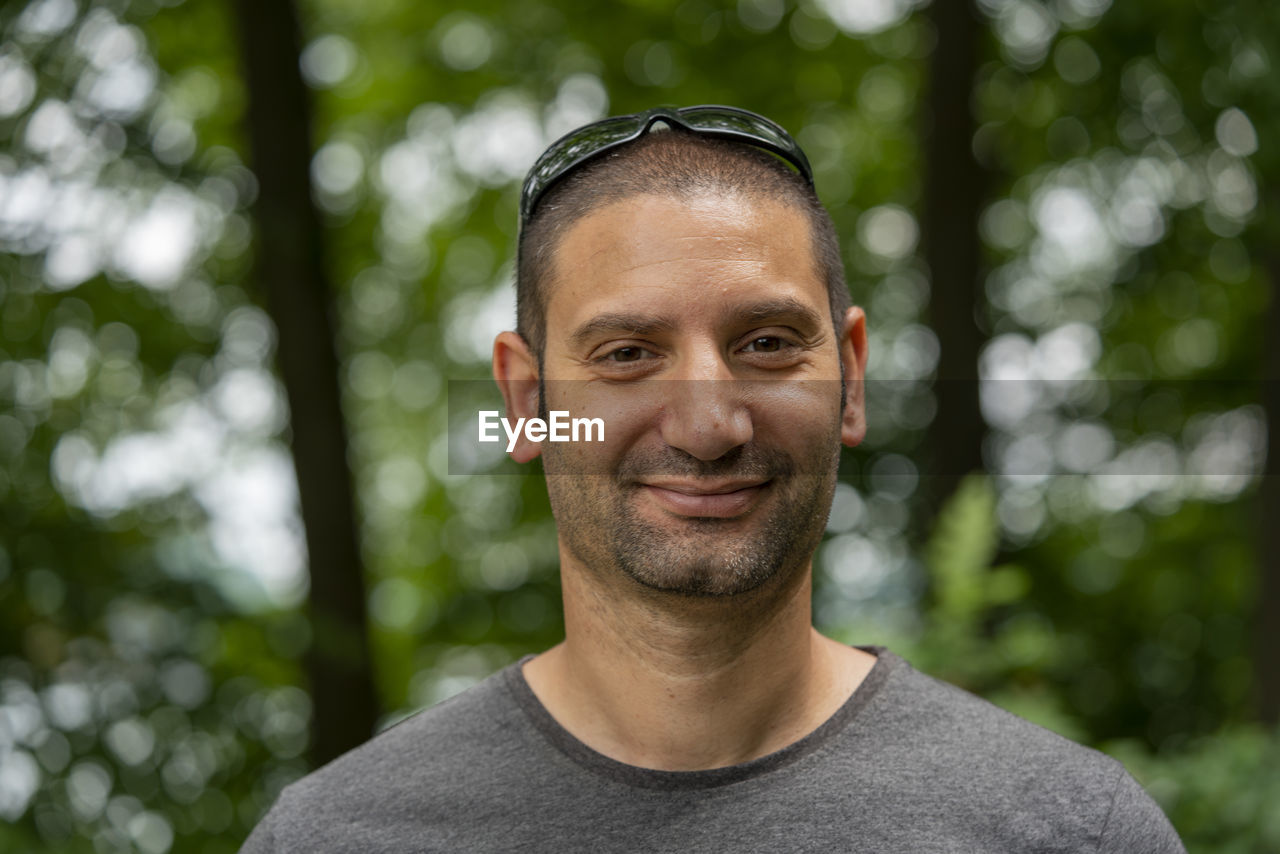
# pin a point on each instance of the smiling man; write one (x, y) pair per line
(679, 280)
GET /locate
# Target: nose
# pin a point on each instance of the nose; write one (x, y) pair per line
(706, 413)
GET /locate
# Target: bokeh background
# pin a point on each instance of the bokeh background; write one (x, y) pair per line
(248, 246)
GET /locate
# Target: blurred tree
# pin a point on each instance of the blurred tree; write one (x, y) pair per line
(293, 273)
(1258, 42)
(955, 193)
(1117, 383)
(146, 680)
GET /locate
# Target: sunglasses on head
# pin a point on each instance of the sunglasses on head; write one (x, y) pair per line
(577, 147)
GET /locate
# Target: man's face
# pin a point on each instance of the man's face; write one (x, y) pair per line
(700, 332)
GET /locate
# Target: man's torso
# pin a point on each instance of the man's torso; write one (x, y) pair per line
(908, 764)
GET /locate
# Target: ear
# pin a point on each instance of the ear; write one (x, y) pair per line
(515, 368)
(853, 356)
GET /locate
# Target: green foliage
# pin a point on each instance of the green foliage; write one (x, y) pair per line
(965, 539)
(1219, 790)
(970, 635)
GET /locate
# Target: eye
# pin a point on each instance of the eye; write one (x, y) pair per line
(625, 360)
(764, 344)
(625, 354)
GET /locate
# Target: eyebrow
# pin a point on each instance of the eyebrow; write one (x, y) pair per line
(781, 308)
(613, 322)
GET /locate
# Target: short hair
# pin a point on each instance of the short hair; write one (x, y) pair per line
(676, 164)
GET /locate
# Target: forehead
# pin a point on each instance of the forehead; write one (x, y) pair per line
(662, 253)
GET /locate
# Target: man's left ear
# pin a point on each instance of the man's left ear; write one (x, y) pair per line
(853, 356)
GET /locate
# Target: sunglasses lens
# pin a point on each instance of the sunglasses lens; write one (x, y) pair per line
(585, 143)
(570, 150)
(750, 128)
(710, 120)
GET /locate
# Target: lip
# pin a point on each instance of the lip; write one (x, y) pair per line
(713, 499)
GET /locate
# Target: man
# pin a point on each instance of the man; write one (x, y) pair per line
(678, 279)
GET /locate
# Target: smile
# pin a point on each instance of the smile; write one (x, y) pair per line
(717, 499)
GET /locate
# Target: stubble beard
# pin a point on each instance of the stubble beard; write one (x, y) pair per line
(600, 523)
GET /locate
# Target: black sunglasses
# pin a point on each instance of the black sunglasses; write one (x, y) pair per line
(577, 147)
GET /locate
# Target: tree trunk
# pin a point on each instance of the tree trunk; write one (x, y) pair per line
(1267, 616)
(954, 191)
(291, 270)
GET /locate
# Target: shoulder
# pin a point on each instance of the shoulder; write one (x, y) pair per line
(396, 773)
(1008, 771)
(960, 727)
(426, 743)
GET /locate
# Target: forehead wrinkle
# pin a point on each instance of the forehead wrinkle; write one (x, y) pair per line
(734, 207)
(735, 263)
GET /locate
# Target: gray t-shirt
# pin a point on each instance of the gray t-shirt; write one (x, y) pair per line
(908, 764)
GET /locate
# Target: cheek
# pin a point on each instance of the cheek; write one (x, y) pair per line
(802, 419)
(627, 413)
(805, 406)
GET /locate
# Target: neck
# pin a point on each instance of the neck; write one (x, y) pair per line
(671, 682)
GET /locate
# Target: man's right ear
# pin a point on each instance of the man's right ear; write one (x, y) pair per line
(515, 368)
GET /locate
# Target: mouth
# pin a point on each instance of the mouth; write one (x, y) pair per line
(718, 498)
